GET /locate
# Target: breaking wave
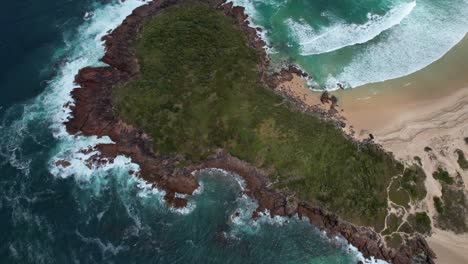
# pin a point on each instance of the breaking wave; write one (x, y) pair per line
(407, 37)
(341, 35)
(426, 35)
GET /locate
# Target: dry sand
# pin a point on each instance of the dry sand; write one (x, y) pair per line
(450, 248)
(425, 109)
(297, 88)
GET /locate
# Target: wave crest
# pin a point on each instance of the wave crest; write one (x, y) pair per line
(342, 35)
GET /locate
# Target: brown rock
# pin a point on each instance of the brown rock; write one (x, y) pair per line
(62, 163)
(176, 202)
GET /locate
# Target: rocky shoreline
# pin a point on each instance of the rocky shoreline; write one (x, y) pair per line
(92, 114)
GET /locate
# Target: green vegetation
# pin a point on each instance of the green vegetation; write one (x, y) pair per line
(462, 162)
(393, 222)
(443, 176)
(420, 222)
(413, 182)
(418, 160)
(199, 90)
(398, 195)
(452, 209)
(438, 205)
(394, 240)
(409, 186)
(406, 228)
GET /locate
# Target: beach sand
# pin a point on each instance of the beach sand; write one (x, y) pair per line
(428, 108)
(382, 107)
(450, 248)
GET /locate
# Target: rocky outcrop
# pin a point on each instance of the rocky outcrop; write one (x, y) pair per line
(92, 114)
(278, 203)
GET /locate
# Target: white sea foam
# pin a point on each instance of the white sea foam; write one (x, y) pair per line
(424, 37)
(200, 188)
(241, 183)
(341, 34)
(104, 247)
(411, 37)
(184, 210)
(77, 150)
(250, 10)
(359, 255)
(243, 223)
(148, 190)
(88, 15)
(84, 48)
(250, 6)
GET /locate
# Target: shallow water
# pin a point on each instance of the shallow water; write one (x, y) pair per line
(359, 42)
(50, 214)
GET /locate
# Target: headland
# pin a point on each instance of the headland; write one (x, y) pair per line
(293, 156)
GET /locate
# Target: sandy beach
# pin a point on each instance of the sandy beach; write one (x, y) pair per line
(381, 107)
(428, 108)
(450, 248)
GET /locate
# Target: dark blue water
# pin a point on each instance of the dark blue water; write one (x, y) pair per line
(31, 32)
(50, 214)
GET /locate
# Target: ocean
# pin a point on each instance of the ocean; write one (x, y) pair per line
(358, 42)
(87, 214)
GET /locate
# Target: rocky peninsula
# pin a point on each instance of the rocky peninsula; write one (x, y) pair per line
(95, 112)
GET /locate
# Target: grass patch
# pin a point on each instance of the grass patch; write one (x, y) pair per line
(406, 228)
(413, 182)
(393, 222)
(420, 222)
(438, 205)
(462, 162)
(443, 176)
(398, 195)
(199, 90)
(394, 240)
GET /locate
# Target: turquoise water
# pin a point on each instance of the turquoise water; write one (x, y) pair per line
(355, 42)
(82, 214)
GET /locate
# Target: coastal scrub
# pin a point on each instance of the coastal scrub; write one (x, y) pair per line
(462, 161)
(452, 209)
(421, 222)
(443, 176)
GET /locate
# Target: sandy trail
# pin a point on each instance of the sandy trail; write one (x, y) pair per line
(441, 125)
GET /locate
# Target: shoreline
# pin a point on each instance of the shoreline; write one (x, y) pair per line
(92, 114)
(389, 100)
